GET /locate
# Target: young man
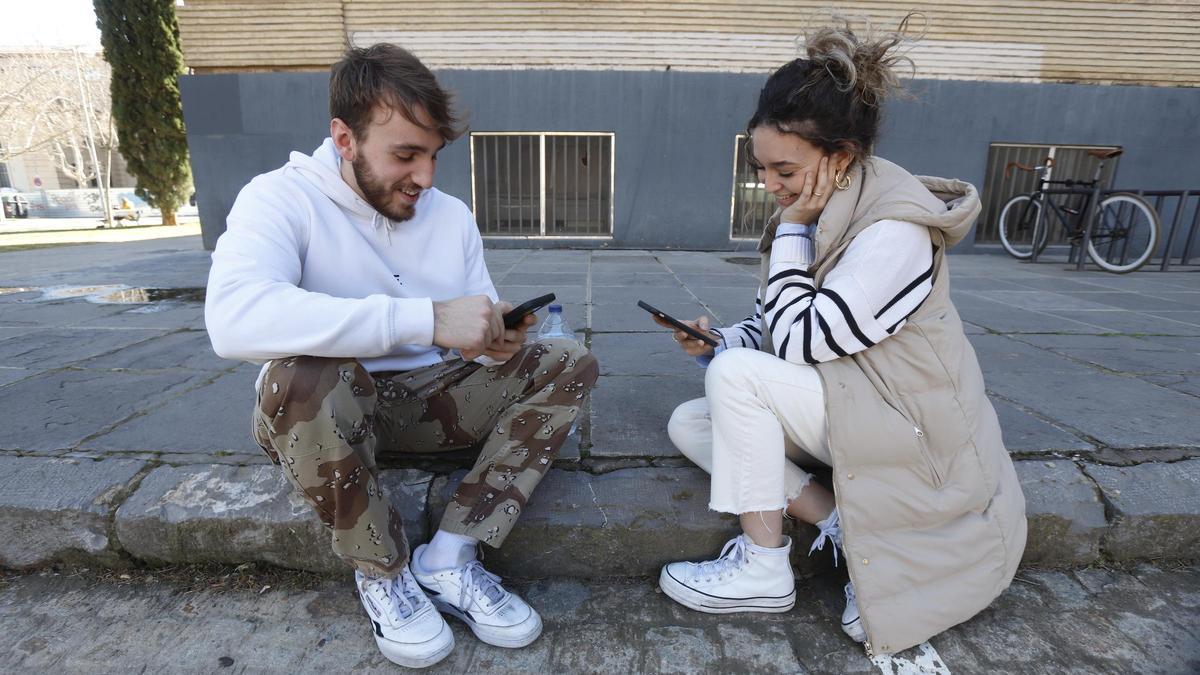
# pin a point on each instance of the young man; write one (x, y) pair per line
(365, 291)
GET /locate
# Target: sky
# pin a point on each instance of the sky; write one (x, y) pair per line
(48, 23)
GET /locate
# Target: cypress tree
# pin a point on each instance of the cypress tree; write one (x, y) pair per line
(141, 43)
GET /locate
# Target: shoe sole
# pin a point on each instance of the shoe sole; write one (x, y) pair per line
(482, 633)
(705, 603)
(423, 662)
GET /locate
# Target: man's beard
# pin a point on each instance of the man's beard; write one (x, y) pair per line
(378, 195)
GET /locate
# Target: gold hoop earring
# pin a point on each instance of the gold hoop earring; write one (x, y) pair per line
(841, 180)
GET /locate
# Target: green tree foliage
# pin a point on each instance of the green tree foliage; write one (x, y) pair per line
(141, 43)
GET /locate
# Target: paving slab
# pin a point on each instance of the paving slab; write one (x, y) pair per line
(208, 420)
(630, 318)
(1140, 302)
(1041, 300)
(226, 514)
(1121, 412)
(1186, 384)
(1024, 432)
(641, 354)
(623, 430)
(58, 410)
(623, 523)
(59, 509)
(1065, 514)
(9, 375)
(1129, 322)
(48, 314)
(162, 315)
(1120, 353)
(184, 349)
(1002, 318)
(59, 347)
(1155, 507)
(629, 295)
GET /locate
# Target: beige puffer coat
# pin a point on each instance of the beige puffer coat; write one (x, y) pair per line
(933, 518)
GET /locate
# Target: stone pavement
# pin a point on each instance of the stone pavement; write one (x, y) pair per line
(124, 439)
(1089, 621)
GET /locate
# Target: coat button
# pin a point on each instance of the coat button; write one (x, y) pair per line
(866, 561)
(850, 476)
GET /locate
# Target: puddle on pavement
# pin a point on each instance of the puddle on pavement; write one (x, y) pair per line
(151, 299)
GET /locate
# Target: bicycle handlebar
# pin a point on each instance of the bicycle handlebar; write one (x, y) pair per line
(1049, 162)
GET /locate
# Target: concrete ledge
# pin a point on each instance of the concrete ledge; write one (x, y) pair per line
(625, 523)
(225, 514)
(59, 509)
(1065, 514)
(1156, 510)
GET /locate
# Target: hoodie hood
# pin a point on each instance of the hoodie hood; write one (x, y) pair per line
(322, 169)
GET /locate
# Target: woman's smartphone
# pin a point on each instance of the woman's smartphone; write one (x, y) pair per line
(513, 316)
(679, 325)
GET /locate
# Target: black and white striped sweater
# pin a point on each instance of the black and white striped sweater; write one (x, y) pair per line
(883, 277)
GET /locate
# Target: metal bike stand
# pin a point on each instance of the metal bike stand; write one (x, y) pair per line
(1087, 227)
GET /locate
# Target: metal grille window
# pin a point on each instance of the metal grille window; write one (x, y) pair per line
(5, 178)
(547, 184)
(1071, 162)
(751, 204)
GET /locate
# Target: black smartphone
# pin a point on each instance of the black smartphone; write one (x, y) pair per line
(706, 339)
(513, 316)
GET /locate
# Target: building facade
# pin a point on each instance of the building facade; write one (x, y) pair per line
(618, 122)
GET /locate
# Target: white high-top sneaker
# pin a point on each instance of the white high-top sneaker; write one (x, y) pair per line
(851, 622)
(744, 578)
(475, 596)
(408, 629)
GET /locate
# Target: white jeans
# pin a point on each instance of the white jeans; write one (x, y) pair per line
(761, 415)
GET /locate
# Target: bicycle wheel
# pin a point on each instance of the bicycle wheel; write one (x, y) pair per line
(1124, 234)
(1018, 220)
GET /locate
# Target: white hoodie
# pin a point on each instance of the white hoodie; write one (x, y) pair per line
(306, 267)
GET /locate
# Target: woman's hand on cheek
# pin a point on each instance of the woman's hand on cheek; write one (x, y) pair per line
(813, 196)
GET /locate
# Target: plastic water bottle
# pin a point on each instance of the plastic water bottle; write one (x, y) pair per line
(555, 326)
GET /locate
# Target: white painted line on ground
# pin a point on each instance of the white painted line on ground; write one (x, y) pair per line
(928, 662)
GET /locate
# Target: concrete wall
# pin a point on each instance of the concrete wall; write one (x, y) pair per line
(674, 134)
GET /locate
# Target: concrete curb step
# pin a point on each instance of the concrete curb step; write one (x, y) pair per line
(625, 522)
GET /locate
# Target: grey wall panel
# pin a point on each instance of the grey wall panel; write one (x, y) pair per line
(674, 134)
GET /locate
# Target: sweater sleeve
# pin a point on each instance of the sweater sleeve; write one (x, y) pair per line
(884, 276)
(254, 309)
(745, 333)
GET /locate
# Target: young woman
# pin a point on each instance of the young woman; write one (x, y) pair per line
(855, 358)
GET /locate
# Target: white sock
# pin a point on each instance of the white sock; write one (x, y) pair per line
(448, 551)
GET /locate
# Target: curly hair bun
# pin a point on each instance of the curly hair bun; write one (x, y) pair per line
(866, 65)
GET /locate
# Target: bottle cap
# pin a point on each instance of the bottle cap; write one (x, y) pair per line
(556, 308)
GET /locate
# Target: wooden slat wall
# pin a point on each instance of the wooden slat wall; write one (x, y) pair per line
(223, 35)
(1117, 41)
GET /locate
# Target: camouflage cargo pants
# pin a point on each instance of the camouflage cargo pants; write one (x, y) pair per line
(323, 420)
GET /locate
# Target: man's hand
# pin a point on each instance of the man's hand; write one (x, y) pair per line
(689, 344)
(467, 324)
(508, 342)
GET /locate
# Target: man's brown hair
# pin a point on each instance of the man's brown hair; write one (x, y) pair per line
(388, 76)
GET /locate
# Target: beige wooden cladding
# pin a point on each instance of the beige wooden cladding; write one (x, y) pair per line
(1031, 40)
(223, 35)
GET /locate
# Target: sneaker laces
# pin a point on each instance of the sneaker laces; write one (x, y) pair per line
(831, 531)
(732, 557)
(401, 598)
(477, 581)
(851, 598)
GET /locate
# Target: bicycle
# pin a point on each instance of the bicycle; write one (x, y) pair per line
(1123, 232)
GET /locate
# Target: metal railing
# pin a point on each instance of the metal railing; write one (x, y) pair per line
(1171, 215)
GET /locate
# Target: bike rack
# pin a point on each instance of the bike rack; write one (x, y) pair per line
(1160, 197)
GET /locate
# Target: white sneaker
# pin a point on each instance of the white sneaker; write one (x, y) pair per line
(408, 629)
(851, 621)
(744, 578)
(475, 596)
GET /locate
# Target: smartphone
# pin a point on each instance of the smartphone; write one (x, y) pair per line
(513, 316)
(679, 325)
